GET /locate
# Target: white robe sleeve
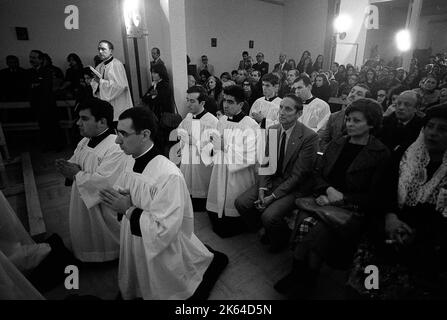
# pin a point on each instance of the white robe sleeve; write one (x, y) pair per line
(161, 224)
(241, 153)
(115, 84)
(89, 184)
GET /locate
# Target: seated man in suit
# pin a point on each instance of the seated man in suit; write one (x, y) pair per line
(261, 65)
(402, 127)
(282, 65)
(335, 127)
(267, 203)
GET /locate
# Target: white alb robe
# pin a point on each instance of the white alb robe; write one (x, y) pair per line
(315, 114)
(94, 228)
(113, 87)
(196, 173)
(168, 261)
(15, 242)
(269, 110)
(13, 284)
(234, 168)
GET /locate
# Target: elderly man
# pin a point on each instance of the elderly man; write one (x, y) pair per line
(261, 65)
(316, 112)
(205, 66)
(268, 202)
(160, 256)
(336, 127)
(282, 66)
(286, 87)
(96, 163)
(402, 127)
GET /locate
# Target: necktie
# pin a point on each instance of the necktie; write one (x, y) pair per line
(282, 149)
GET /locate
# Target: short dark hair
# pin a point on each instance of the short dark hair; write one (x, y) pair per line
(270, 77)
(305, 78)
(245, 52)
(142, 118)
(161, 71)
(371, 109)
(233, 72)
(156, 50)
(437, 111)
(364, 86)
(98, 108)
(235, 91)
(11, 57)
(225, 74)
(76, 58)
(109, 44)
(298, 101)
(40, 54)
(200, 90)
(397, 90)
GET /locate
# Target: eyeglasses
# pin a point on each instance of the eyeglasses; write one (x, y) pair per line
(125, 134)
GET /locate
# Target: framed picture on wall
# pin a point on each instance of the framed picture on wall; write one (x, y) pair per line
(22, 33)
(213, 42)
(251, 44)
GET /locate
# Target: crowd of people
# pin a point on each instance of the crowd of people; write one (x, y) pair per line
(364, 185)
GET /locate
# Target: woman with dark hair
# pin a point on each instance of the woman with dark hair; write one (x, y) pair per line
(346, 187)
(321, 88)
(204, 75)
(214, 87)
(306, 54)
(74, 74)
(341, 75)
(409, 245)
(429, 92)
(159, 96)
(318, 64)
(371, 81)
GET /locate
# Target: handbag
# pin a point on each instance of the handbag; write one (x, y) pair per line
(170, 120)
(334, 217)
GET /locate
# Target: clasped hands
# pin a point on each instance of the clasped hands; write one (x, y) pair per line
(263, 202)
(332, 197)
(118, 201)
(67, 169)
(398, 231)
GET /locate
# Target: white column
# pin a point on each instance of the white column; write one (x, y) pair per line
(414, 13)
(177, 25)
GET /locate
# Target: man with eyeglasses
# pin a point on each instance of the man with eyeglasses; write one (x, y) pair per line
(205, 66)
(96, 164)
(261, 65)
(110, 82)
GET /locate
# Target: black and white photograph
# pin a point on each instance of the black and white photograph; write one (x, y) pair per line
(225, 157)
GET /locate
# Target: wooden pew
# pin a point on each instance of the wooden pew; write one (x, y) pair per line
(65, 124)
(35, 216)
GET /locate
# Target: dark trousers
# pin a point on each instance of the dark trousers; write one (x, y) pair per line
(272, 218)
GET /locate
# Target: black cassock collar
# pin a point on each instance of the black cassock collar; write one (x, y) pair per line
(94, 141)
(141, 162)
(238, 117)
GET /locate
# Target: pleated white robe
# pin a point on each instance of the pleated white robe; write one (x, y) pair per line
(168, 261)
(113, 87)
(269, 110)
(13, 284)
(15, 242)
(234, 168)
(197, 175)
(94, 228)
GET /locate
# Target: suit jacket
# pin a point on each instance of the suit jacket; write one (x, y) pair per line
(263, 67)
(286, 67)
(363, 176)
(298, 162)
(394, 136)
(335, 128)
(210, 68)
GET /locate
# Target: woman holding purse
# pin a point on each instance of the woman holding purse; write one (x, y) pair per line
(158, 97)
(346, 182)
